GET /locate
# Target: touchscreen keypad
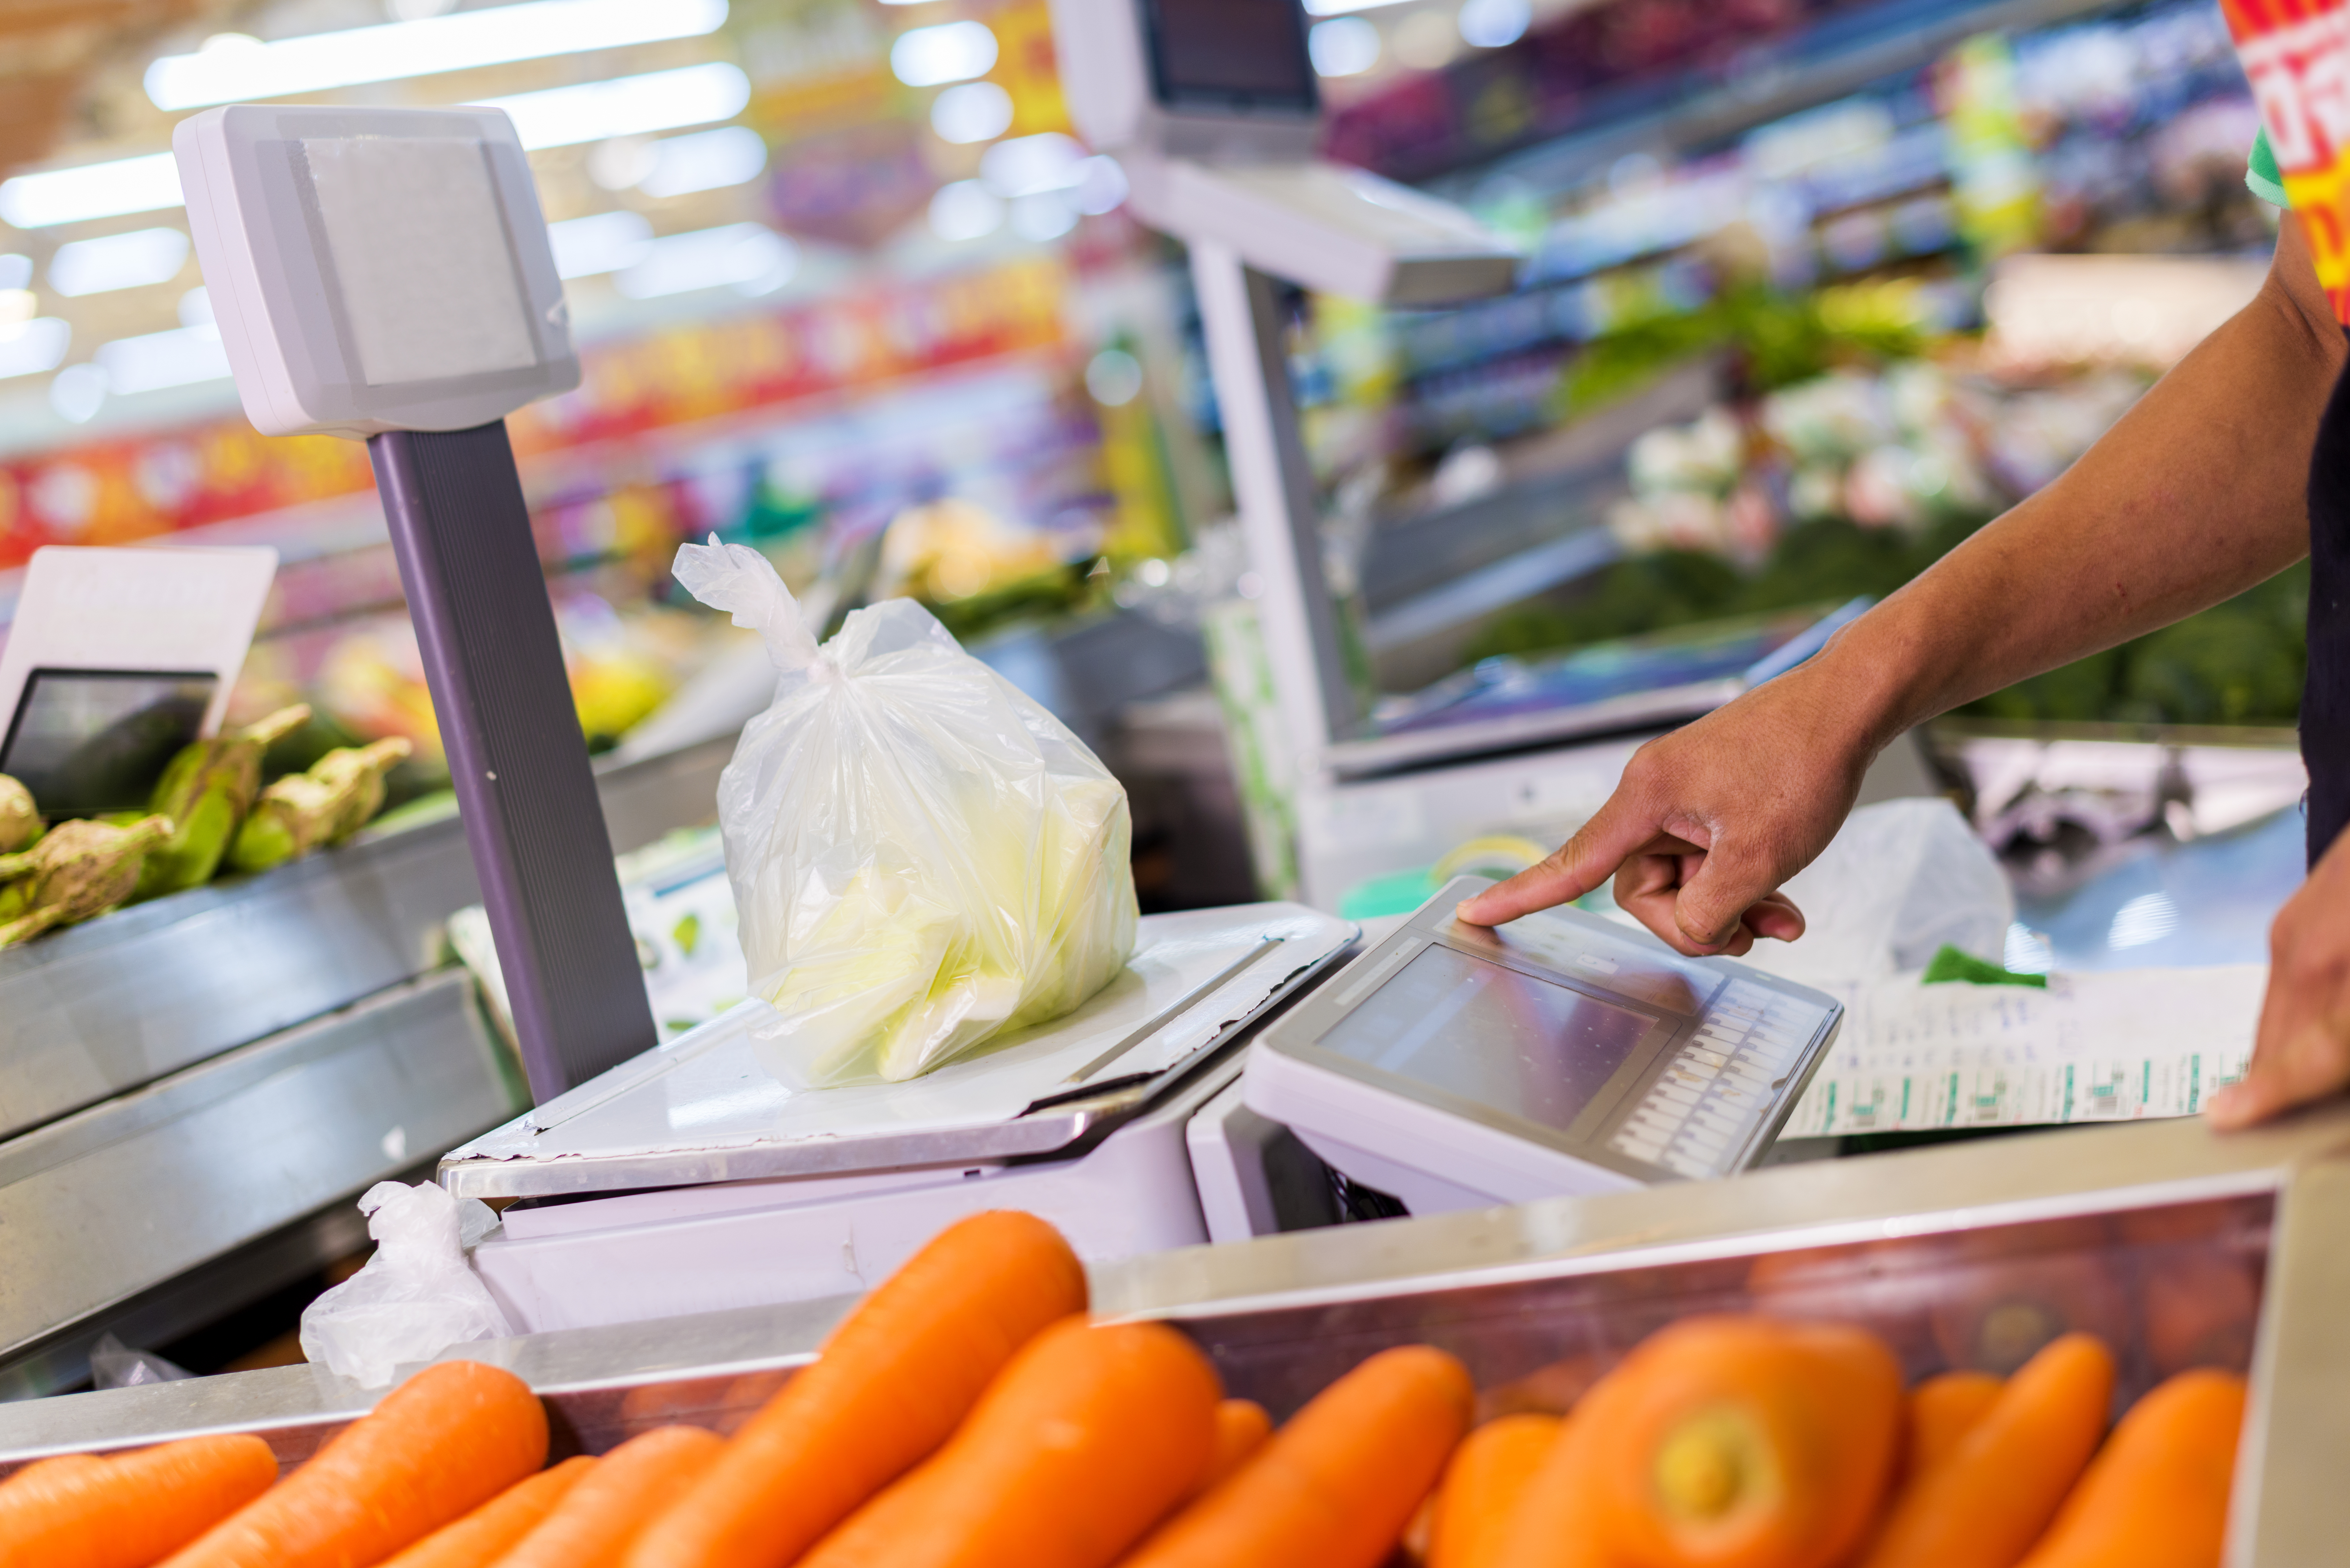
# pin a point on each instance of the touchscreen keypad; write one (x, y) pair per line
(1706, 1105)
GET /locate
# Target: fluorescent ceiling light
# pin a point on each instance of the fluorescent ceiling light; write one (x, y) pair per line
(949, 52)
(975, 112)
(965, 210)
(15, 272)
(245, 70)
(750, 257)
(196, 306)
(604, 242)
(705, 161)
(626, 106)
(179, 357)
(143, 184)
(1344, 47)
(1340, 8)
(134, 260)
(1494, 24)
(1027, 164)
(34, 346)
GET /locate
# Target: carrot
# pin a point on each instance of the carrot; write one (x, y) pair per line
(448, 1440)
(1085, 1441)
(484, 1535)
(1987, 1502)
(1739, 1442)
(129, 1509)
(55, 1465)
(1336, 1485)
(1479, 1496)
(1940, 1413)
(597, 1519)
(893, 1381)
(1242, 1427)
(2157, 1497)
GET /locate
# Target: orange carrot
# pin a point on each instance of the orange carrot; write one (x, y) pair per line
(484, 1535)
(1242, 1427)
(1489, 1473)
(1987, 1502)
(2157, 1497)
(55, 1465)
(1739, 1442)
(1085, 1440)
(129, 1509)
(1336, 1485)
(439, 1444)
(893, 1381)
(1940, 1413)
(597, 1519)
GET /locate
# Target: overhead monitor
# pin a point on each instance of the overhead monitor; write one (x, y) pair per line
(1230, 55)
(375, 269)
(1226, 80)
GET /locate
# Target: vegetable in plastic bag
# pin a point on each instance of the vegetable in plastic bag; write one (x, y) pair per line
(923, 858)
(417, 1295)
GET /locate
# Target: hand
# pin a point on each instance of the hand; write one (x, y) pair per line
(2303, 1050)
(1709, 820)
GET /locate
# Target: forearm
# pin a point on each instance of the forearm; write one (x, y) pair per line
(2197, 493)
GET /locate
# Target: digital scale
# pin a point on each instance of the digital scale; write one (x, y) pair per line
(1458, 1067)
(1449, 1067)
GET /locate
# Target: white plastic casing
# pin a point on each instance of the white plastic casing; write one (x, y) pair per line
(374, 269)
(1105, 71)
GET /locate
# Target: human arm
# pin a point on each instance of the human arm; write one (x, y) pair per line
(2198, 493)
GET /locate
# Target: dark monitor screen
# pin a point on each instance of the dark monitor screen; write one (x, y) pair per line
(1543, 1050)
(1230, 54)
(86, 742)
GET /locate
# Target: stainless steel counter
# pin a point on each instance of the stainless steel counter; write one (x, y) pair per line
(1940, 1248)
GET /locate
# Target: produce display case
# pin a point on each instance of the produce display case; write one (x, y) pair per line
(193, 1089)
(2178, 1246)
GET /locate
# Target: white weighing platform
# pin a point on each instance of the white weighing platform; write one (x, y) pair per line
(689, 1180)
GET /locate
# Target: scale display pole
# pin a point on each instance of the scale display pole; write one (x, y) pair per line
(1240, 317)
(518, 760)
(385, 274)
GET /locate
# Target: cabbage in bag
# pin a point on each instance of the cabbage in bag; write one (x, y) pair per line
(923, 858)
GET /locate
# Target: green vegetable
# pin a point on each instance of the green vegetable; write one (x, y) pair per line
(79, 869)
(20, 819)
(317, 809)
(206, 791)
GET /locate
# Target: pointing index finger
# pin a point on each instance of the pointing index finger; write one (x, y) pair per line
(1575, 867)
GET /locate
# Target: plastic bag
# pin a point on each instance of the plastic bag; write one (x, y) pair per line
(114, 1365)
(1901, 878)
(923, 858)
(417, 1295)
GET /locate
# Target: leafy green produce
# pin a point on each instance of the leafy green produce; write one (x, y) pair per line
(20, 819)
(206, 791)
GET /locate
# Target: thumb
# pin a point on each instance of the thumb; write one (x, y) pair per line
(1728, 882)
(1568, 872)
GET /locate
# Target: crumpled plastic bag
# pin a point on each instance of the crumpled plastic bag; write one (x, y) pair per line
(417, 1295)
(114, 1365)
(923, 858)
(1901, 878)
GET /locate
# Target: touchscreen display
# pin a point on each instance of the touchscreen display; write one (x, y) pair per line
(1230, 52)
(1542, 1050)
(91, 741)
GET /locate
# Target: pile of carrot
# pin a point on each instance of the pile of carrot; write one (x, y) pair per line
(970, 1413)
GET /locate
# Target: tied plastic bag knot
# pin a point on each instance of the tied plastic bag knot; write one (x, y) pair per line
(416, 1296)
(924, 859)
(741, 582)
